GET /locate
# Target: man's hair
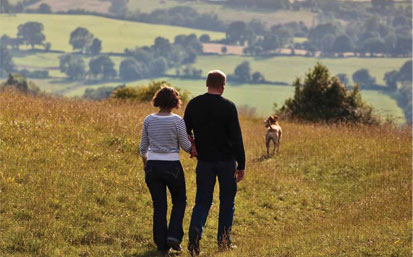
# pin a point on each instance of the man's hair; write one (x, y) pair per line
(216, 79)
(167, 98)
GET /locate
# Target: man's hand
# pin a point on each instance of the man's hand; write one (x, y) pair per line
(239, 175)
(194, 152)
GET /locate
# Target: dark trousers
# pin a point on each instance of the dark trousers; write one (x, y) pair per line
(159, 176)
(206, 173)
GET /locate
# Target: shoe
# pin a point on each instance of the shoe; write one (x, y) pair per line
(225, 247)
(174, 245)
(193, 245)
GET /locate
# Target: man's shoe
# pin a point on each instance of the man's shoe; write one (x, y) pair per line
(175, 245)
(224, 247)
(193, 245)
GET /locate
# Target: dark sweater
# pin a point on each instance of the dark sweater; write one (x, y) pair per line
(215, 125)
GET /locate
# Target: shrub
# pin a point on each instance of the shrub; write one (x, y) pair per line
(19, 82)
(145, 93)
(324, 98)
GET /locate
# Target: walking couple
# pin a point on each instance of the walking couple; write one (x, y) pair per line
(209, 130)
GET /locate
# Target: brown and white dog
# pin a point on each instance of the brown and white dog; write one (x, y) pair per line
(274, 133)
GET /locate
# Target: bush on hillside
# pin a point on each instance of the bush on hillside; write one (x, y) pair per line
(323, 98)
(20, 83)
(146, 93)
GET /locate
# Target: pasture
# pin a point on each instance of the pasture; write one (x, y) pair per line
(116, 35)
(227, 13)
(72, 184)
(287, 68)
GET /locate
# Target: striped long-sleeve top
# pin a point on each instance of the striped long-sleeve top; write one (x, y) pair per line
(162, 136)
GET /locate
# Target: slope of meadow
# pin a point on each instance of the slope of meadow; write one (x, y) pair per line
(71, 184)
(116, 35)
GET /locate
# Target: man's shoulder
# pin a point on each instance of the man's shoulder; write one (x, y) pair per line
(227, 101)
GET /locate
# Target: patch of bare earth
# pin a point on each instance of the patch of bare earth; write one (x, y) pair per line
(88, 5)
(212, 48)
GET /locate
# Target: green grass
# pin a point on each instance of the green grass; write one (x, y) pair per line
(229, 14)
(72, 184)
(116, 35)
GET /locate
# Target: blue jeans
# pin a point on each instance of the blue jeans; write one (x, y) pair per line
(158, 176)
(206, 173)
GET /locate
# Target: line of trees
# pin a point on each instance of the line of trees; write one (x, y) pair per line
(29, 33)
(371, 36)
(142, 62)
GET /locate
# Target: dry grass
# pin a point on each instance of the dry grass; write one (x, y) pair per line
(71, 185)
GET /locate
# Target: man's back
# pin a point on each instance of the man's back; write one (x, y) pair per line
(214, 121)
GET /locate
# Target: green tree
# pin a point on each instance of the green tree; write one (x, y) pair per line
(80, 39)
(96, 47)
(270, 42)
(373, 46)
(20, 83)
(257, 77)
(73, 66)
(243, 72)
(5, 6)
(362, 77)
(237, 32)
(342, 44)
(321, 97)
(406, 72)
(102, 67)
(31, 33)
(317, 34)
(44, 8)
(130, 69)
(391, 79)
(6, 61)
(343, 78)
(205, 38)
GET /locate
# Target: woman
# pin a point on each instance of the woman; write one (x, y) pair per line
(162, 135)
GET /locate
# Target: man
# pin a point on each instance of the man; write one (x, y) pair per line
(218, 140)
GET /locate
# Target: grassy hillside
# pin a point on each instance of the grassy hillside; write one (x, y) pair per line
(227, 13)
(71, 185)
(116, 35)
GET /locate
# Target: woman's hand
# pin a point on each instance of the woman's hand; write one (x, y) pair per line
(194, 152)
(144, 159)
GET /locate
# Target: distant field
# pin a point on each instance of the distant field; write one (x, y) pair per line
(116, 35)
(229, 14)
(286, 69)
(90, 5)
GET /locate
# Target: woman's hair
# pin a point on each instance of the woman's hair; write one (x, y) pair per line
(167, 98)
